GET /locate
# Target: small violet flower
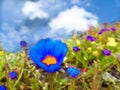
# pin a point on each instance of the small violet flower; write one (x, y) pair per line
(113, 29)
(90, 38)
(76, 49)
(73, 72)
(106, 52)
(2, 87)
(103, 30)
(12, 75)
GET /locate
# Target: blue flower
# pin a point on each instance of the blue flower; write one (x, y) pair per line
(106, 52)
(2, 87)
(23, 43)
(48, 54)
(12, 75)
(76, 49)
(73, 72)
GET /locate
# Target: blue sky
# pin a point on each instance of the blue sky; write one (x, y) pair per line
(32, 20)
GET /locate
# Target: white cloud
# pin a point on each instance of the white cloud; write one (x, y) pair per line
(73, 19)
(33, 10)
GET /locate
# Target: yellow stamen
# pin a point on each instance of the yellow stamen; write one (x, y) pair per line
(49, 60)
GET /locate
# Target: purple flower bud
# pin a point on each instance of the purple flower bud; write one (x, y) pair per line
(12, 75)
(76, 49)
(23, 43)
(106, 52)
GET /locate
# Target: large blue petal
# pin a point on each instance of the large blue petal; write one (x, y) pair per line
(45, 46)
(53, 68)
(60, 50)
(34, 54)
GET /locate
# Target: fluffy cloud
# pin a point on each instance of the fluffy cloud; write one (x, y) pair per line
(73, 19)
(33, 10)
(58, 21)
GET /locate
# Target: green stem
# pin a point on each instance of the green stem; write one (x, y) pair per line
(72, 84)
(109, 87)
(19, 78)
(76, 59)
(6, 69)
(6, 64)
(51, 81)
(22, 70)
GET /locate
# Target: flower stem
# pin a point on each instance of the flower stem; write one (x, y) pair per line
(109, 87)
(6, 68)
(22, 70)
(76, 59)
(51, 81)
(94, 86)
(72, 84)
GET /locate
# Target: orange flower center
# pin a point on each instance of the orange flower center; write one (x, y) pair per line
(49, 60)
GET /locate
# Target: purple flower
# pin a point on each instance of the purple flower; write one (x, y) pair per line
(12, 75)
(2, 87)
(90, 38)
(101, 31)
(76, 49)
(73, 72)
(23, 43)
(113, 29)
(106, 52)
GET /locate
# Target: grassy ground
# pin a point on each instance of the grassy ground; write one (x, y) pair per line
(90, 60)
